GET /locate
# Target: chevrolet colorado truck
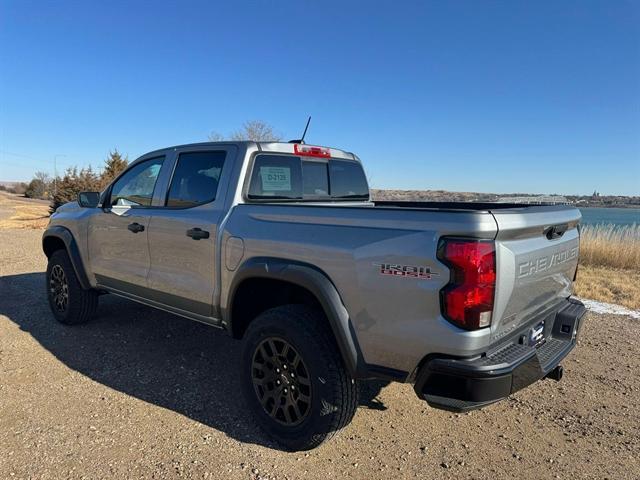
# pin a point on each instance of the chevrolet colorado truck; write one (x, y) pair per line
(281, 246)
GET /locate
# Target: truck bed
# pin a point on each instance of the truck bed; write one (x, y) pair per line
(349, 242)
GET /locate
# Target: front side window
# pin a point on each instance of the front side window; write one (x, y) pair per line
(195, 179)
(135, 187)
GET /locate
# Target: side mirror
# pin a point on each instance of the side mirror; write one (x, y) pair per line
(89, 199)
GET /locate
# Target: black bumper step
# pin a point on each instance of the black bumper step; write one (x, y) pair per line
(465, 384)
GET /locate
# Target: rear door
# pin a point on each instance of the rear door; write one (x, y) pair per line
(537, 249)
(183, 232)
(117, 236)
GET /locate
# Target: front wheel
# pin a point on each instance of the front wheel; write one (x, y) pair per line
(70, 303)
(294, 379)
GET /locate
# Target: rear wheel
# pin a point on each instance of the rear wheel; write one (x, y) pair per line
(69, 302)
(294, 379)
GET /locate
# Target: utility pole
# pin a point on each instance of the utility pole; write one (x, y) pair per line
(55, 172)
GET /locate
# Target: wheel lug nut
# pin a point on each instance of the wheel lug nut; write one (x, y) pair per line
(277, 370)
(277, 382)
(285, 390)
(284, 366)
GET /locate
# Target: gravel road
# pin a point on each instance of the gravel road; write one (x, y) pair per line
(139, 393)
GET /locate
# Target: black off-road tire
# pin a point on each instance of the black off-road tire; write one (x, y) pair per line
(333, 392)
(80, 303)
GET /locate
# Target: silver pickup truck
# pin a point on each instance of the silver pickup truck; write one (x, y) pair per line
(280, 245)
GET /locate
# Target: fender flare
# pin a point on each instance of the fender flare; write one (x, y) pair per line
(73, 251)
(319, 284)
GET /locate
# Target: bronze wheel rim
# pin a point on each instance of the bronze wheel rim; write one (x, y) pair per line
(281, 381)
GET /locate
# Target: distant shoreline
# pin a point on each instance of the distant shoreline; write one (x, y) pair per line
(581, 201)
(628, 207)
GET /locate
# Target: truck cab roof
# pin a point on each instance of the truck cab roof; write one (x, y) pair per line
(271, 147)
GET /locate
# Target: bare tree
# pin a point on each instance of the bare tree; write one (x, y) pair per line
(44, 177)
(39, 186)
(255, 130)
(216, 137)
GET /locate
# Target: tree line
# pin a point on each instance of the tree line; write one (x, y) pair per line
(65, 188)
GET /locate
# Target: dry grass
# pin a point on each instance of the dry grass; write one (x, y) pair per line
(609, 285)
(610, 264)
(27, 217)
(609, 246)
(17, 212)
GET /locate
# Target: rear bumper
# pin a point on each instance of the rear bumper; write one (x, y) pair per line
(465, 384)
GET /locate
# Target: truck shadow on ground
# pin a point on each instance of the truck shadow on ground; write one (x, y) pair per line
(157, 357)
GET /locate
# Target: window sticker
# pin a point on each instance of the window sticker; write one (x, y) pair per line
(275, 179)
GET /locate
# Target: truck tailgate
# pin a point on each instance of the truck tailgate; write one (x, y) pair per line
(537, 251)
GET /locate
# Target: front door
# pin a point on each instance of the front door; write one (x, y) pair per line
(117, 236)
(183, 233)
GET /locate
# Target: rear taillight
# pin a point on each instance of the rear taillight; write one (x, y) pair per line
(467, 300)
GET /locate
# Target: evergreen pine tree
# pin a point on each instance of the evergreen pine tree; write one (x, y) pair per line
(113, 166)
(73, 182)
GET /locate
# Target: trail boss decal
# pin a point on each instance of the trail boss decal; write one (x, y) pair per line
(405, 271)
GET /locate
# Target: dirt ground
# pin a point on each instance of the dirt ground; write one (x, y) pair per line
(139, 393)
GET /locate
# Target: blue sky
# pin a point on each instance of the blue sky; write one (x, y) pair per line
(509, 96)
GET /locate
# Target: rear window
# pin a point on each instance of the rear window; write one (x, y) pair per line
(276, 176)
(288, 177)
(315, 179)
(347, 180)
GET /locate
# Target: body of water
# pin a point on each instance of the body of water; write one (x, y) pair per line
(615, 216)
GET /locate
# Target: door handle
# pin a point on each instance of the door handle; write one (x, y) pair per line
(135, 227)
(197, 233)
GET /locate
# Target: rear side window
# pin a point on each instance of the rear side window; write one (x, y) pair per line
(195, 179)
(288, 177)
(135, 187)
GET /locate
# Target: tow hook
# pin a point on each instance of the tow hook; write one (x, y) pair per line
(555, 374)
